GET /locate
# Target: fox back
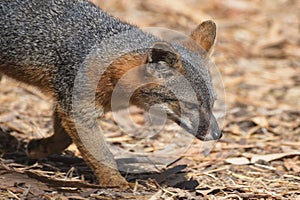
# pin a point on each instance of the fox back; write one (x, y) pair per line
(45, 43)
(52, 37)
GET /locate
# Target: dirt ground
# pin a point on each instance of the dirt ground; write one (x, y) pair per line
(258, 55)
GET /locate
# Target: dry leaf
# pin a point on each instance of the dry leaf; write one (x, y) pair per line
(238, 161)
(271, 157)
(291, 164)
(261, 121)
(207, 191)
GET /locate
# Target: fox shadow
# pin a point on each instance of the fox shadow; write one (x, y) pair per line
(13, 151)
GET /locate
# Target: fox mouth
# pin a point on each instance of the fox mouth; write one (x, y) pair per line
(211, 133)
(182, 123)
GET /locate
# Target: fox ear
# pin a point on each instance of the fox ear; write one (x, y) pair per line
(163, 53)
(205, 35)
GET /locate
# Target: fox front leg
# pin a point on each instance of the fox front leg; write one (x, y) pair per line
(91, 143)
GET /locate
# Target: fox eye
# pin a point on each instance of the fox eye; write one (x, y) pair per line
(163, 63)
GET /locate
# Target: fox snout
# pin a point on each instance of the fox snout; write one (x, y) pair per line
(213, 131)
(205, 128)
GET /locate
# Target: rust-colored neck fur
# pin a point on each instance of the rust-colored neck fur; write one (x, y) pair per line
(114, 73)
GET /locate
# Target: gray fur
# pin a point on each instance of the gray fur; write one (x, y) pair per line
(58, 37)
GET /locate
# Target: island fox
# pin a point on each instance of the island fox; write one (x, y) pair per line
(47, 44)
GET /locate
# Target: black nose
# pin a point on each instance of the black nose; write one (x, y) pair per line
(212, 136)
(217, 135)
(214, 132)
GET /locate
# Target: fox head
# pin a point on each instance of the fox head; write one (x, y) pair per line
(181, 83)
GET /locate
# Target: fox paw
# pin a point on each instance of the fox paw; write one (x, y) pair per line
(37, 148)
(114, 180)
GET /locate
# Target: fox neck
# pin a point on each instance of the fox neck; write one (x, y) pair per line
(120, 80)
(115, 58)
